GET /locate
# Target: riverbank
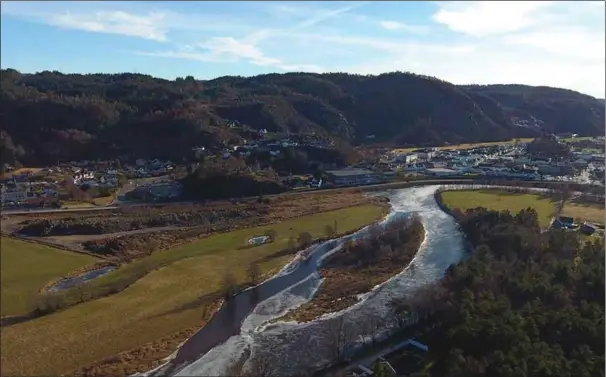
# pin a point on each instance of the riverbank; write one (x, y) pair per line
(287, 344)
(360, 267)
(166, 301)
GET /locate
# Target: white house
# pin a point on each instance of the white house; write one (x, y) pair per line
(407, 158)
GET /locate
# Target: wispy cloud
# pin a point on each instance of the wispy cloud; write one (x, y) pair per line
(395, 26)
(147, 27)
(247, 48)
(536, 43)
(104, 17)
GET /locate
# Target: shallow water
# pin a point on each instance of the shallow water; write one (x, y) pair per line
(304, 347)
(64, 284)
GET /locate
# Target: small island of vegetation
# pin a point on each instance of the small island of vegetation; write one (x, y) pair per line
(362, 265)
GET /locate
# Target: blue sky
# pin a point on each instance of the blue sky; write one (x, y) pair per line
(536, 43)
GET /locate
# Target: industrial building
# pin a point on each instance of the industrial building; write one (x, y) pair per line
(350, 177)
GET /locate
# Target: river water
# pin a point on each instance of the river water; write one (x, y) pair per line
(239, 329)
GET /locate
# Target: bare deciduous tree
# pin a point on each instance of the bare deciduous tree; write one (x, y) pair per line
(305, 239)
(254, 273)
(272, 234)
(329, 231)
(150, 246)
(340, 335)
(291, 244)
(230, 285)
(82, 292)
(400, 311)
(427, 300)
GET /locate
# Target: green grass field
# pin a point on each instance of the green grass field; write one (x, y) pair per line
(26, 267)
(163, 302)
(500, 201)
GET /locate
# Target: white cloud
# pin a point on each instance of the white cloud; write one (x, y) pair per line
(117, 18)
(535, 43)
(147, 27)
(481, 18)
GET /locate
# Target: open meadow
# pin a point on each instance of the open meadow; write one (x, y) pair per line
(27, 267)
(584, 211)
(514, 202)
(500, 201)
(466, 146)
(174, 295)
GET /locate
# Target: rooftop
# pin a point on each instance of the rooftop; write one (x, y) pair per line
(441, 170)
(349, 172)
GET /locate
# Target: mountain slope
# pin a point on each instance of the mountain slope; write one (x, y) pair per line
(559, 110)
(51, 116)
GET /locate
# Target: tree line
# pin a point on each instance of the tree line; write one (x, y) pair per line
(525, 303)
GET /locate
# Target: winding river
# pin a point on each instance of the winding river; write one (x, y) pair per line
(240, 327)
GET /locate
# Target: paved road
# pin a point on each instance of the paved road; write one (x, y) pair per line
(51, 210)
(302, 192)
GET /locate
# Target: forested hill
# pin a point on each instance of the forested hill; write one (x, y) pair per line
(51, 116)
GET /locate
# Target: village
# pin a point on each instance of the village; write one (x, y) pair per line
(103, 183)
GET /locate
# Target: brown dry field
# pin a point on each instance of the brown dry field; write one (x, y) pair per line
(585, 211)
(281, 207)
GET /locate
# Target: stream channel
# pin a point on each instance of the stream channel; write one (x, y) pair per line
(68, 283)
(239, 328)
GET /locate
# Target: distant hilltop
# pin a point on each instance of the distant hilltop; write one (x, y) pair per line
(50, 116)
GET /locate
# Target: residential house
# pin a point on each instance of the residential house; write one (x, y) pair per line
(588, 228)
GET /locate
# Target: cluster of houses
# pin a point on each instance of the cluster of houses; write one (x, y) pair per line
(506, 160)
(148, 168)
(272, 146)
(13, 192)
(43, 187)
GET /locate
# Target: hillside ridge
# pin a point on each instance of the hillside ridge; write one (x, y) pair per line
(51, 116)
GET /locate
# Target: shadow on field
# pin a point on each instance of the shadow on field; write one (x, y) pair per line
(13, 320)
